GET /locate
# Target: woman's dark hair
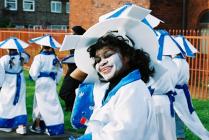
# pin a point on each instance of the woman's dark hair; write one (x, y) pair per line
(78, 30)
(12, 52)
(137, 58)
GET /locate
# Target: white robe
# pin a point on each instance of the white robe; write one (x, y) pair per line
(12, 112)
(128, 115)
(165, 84)
(192, 121)
(46, 104)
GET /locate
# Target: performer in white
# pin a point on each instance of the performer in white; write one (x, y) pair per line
(13, 112)
(46, 70)
(123, 107)
(183, 103)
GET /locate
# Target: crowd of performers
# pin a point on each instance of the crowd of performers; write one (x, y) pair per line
(125, 81)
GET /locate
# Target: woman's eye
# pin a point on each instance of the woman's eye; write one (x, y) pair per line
(108, 54)
(97, 59)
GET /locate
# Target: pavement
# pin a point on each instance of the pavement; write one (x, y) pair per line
(32, 136)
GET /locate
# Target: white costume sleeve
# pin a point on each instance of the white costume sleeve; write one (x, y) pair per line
(35, 68)
(131, 116)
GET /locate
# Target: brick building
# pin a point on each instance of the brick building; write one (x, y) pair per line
(34, 13)
(177, 14)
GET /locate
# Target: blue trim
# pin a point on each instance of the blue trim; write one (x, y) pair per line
(47, 52)
(56, 61)
(147, 23)
(18, 86)
(65, 58)
(36, 39)
(171, 97)
(187, 95)
(161, 46)
(48, 74)
(13, 122)
(177, 44)
(52, 43)
(119, 12)
(188, 50)
(19, 47)
(85, 137)
(55, 129)
(131, 77)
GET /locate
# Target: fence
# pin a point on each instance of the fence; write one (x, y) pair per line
(199, 66)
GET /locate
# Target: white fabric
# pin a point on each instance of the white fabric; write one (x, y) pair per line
(2, 74)
(8, 90)
(129, 114)
(192, 121)
(46, 103)
(166, 83)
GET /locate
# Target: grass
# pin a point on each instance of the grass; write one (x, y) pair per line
(201, 107)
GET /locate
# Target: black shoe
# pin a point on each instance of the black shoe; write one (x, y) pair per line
(36, 130)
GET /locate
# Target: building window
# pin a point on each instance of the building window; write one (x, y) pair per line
(11, 4)
(28, 5)
(56, 7)
(67, 7)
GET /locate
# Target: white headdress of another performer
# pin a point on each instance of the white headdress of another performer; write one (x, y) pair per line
(188, 48)
(167, 45)
(14, 43)
(46, 40)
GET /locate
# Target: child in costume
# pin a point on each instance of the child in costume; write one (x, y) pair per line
(13, 112)
(46, 71)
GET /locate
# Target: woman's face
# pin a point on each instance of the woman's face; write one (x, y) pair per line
(108, 63)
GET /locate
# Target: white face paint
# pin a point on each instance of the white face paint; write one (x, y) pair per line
(108, 63)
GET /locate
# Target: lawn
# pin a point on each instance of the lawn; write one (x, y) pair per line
(201, 107)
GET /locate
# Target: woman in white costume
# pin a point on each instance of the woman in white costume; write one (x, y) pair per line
(183, 103)
(13, 112)
(46, 71)
(123, 106)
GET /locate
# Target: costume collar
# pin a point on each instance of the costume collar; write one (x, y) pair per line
(133, 76)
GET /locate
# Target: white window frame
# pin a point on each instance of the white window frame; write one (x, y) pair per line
(12, 9)
(67, 7)
(32, 2)
(56, 10)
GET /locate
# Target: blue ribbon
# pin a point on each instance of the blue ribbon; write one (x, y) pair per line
(119, 12)
(133, 76)
(187, 95)
(18, 86)
(55, 129)
(48, 74)
(171, 97)
(151, 90)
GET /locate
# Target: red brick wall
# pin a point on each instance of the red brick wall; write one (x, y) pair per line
(170, 11)
(195, 10)
(87, 12)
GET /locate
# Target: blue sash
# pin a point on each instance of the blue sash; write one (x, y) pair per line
(187, 95)
(171, 97)
(18, 85)
(48, 74)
